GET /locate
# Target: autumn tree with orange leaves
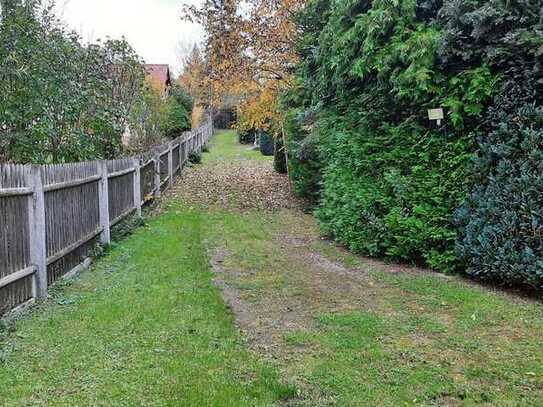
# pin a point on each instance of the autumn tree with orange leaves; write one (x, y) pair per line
(249, 56)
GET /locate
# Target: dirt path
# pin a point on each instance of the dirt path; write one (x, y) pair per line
(348, 330)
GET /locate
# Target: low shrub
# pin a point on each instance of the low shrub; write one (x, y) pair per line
(266, 144)
(280, 157)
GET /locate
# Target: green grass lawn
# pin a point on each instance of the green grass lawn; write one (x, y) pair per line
(402, 338)
(144, 327)
(321, 327)
(227, 149)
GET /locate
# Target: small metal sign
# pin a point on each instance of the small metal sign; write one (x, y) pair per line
(436, 114)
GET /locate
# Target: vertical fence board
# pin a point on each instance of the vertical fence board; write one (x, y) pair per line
(175, 158)
(14, 237)
(120, 188)
(136, 187)
(163, 166)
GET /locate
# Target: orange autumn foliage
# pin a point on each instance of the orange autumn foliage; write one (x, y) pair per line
(248, 57)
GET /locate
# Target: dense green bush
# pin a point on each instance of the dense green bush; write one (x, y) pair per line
(304, 161)
(500, 223)
(195, 157)
(266, 144)
(388, 181)
(180, 94)
(177, 118)
(279, 158)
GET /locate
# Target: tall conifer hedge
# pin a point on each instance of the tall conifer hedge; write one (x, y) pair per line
(388, 182)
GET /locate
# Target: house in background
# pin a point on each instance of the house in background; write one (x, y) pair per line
(160, 78)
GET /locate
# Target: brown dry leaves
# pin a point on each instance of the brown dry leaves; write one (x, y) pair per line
(233, 186)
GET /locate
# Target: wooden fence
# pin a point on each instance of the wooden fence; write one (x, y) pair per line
(52, 216)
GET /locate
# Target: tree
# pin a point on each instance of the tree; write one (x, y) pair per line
(59, 100)
(177, 118)
(193, 77)
(225, 59)
(247, 52)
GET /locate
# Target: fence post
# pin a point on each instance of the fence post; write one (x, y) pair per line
(103, 197)
(157, 175)
(170, 164)
(36, 217)
(181, 154)
(137, 186)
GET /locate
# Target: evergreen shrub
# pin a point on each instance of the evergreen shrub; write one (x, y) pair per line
(387, 182)
(280, 158)
(266, 144)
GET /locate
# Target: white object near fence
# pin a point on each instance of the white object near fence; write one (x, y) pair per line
(52, 216)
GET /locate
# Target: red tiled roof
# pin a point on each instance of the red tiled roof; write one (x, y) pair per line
(159, 73)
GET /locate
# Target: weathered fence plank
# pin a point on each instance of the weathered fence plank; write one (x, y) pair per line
(164, 167)
(137, 186)
(52, 216)
(170, 165)
(103, 199)
(157, 175)
(147, 180)
(14, 237)
(38, 233)
(176, 158)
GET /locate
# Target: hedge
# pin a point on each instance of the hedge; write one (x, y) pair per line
(385, 180)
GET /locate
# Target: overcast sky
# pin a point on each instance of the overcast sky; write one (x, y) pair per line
(153, 27)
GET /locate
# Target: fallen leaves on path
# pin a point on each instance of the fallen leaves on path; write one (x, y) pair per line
(235, 186)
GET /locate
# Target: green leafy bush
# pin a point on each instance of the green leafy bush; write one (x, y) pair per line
(195, 157)
(176, 120)
(178, 113)
(304, 160)
(180, 94)
(500, 223)
(388, 182)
